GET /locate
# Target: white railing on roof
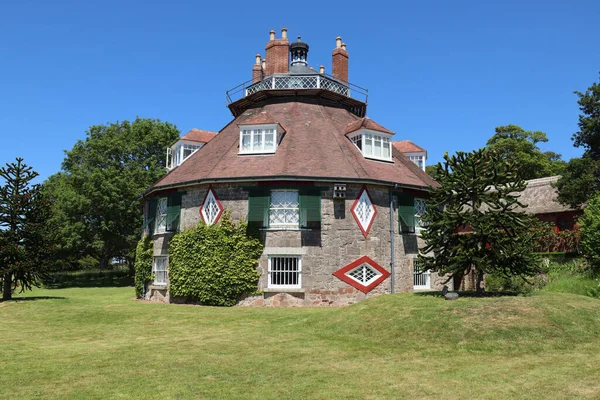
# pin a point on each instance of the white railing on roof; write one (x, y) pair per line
(286, 82)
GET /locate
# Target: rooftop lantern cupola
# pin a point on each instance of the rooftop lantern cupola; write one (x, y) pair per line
(299, 53)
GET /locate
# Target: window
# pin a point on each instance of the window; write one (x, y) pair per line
(179, 153)
(159, 269)
(285, 272)
(364, 211)
(419, 160)
(211, 208)
(256, 140)
(161, 215)
(410, 213)
(421, 279)
(364, 274)
(420, 210)
(373, 145)
(284, 209)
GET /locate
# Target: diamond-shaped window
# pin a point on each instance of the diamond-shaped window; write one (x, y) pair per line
(211, 209)
(364, 274)
(364, 211)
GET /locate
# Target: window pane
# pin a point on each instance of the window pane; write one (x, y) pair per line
(368, 145)
(284, 210)
(257, 140)
(269, 139)
(386, 149)
(161, 215)
(377, 147)
(246, 143)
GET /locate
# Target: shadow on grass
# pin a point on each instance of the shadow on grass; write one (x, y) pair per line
(83, 279)
(468, 294)
(32, 298)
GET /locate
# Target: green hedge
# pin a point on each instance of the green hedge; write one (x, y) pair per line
(143, 265)
(214, 265)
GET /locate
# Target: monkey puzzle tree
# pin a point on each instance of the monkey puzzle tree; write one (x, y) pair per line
(25, 250)
(473, 222)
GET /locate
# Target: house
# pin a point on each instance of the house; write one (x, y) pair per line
(336, 203)
(541, 198)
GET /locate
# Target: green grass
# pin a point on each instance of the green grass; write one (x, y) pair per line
(575, 284)
(99, 343)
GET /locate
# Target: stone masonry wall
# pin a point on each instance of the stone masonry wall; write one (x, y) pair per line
(339, 242)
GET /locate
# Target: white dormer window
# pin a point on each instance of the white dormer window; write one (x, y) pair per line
(259, 139)
(180, 152)
(418, 158)
(373, 144)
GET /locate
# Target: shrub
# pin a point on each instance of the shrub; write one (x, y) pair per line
(590, 234)
(143, 265)
(514, 284)
(214, 265)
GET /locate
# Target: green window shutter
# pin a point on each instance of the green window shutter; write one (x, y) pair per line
(259, 202)
(310, 208)
(173, 211)
(406, 212)
(150, 215)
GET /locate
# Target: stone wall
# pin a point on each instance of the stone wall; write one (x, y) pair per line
(339, 242)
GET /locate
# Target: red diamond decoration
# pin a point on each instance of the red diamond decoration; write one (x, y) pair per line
(364, 274)
(364, 211)
(211, 208)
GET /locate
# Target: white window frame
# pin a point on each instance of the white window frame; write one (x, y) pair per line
(165, 263)
(175, 153)
(297, 209)
(360, 139)
(286, 269)
(259, 131)
(160, 227)
(419, 225)
(423, 278)
(364, 266)
(416, 158)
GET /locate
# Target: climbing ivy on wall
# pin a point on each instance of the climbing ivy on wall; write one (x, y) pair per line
(143, 264)
(214, 265)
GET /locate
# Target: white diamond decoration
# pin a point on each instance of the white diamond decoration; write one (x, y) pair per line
(211, 208)
(364, 211)
(364, 274)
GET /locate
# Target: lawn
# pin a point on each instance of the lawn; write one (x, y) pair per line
(99, 343)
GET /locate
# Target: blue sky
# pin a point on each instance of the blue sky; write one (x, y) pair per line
(442, 74)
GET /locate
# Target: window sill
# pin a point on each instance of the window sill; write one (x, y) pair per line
(256, 153)
(284, 290)
(287, 229)
(389, 160)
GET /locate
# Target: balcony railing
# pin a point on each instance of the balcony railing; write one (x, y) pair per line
(287, 82)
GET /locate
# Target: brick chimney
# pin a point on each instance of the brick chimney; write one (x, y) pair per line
(339, 60)
(277, 54)
(257, 70)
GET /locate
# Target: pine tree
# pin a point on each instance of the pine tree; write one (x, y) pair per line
(25, 253)
(473, 222)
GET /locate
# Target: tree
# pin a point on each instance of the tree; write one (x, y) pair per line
(25, 246)
(518, 145)
(588, 135)
(96, 195)
(479, 195)
(590, 234)
(581, 179)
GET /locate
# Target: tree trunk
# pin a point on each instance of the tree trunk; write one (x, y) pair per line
(7, 289)
(480, 288)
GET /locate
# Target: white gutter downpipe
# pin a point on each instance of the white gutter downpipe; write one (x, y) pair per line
(392, 233)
